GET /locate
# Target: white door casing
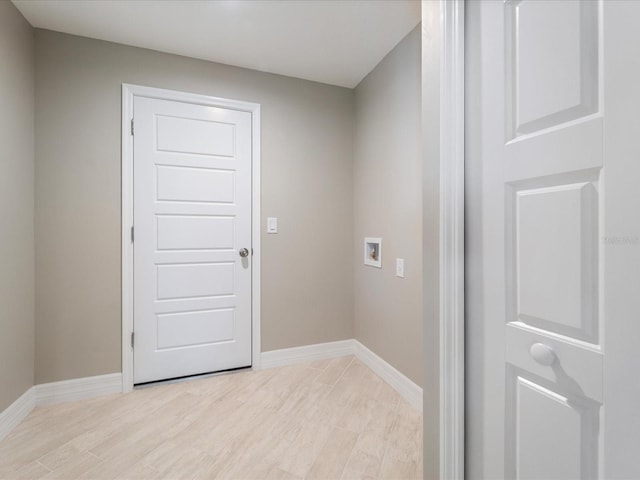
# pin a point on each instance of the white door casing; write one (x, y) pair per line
(539, 274)
(194, 160)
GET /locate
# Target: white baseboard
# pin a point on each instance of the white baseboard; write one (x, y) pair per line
(411, 392)
(77, 389)
(307, 353)
(90, 387)
(57, 392)
(16, 412)
(322, 351)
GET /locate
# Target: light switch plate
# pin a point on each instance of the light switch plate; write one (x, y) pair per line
(400, 267)
(272, 225)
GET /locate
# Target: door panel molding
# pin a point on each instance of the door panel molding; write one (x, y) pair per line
(128, 94)
(577, 417)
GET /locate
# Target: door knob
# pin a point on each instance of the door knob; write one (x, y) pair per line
(543, 354)
(244, 252)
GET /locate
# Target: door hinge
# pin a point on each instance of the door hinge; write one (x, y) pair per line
(133, 337)
(252, 252)
(132, 126)
(131, 233)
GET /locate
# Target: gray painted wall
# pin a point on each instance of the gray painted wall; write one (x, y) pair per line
(431, 65)
(388, 204)
(16, 204)
(311, 181)
(307, 179)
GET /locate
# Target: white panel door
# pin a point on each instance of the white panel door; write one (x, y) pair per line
(539, 178)
(192, 218)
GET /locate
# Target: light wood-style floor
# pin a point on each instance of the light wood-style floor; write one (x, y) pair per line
(333, 419)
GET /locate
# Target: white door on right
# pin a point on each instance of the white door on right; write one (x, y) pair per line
(553, 239)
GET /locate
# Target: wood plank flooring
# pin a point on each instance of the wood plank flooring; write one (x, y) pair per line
(333, 419)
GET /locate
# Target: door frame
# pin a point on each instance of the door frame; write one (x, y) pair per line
(128, 93)
(451, 241)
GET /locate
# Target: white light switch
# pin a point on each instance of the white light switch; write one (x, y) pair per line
(272, 225)
(400, 267)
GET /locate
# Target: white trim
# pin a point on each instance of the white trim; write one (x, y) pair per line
(16, 412)
(323, 351)
(77, 389)
(91, 387)
(57, 392)
(127, 244)
(128, 93)
(307, 353)
(411, 392)
(452, 240)
(256, 224)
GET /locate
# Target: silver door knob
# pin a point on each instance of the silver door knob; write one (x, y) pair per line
(244, 252)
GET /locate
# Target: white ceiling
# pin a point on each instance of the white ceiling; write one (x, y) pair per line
(330, 41)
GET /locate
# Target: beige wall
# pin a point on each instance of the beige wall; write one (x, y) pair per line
(388, 204)
(307, 145)
(431, 61)
(16, 204)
